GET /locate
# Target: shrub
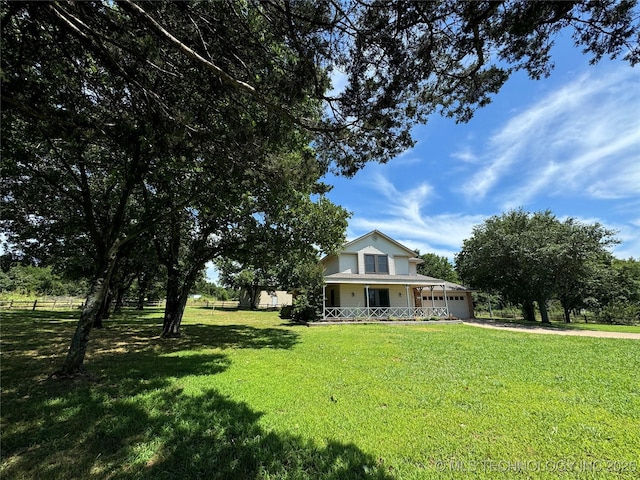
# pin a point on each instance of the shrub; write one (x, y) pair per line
(286, 312)
(624, 313)
(304, 309)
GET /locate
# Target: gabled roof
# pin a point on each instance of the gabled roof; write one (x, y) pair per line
(413, 257)
(386, 237)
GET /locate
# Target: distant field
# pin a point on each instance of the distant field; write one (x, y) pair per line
(244, 395)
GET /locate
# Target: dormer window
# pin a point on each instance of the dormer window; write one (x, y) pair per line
(376, 264)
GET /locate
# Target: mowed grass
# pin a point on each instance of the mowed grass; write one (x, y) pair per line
(574, 325)
(244, 395)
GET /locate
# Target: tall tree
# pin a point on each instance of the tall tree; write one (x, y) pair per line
(530, 258)
(628, 279)
(437, 266)
(497, 259)
(97, 96)
(580, 261)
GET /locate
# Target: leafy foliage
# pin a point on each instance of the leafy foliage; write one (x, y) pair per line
(529, 258)
(190, 123)
(38, 281)
(437, 266)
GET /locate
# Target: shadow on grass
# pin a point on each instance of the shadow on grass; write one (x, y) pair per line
(221, 309)
(130, 419)
(34, 345)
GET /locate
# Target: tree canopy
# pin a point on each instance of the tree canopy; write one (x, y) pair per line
(437, 266)
(529, 258)
(207, 125)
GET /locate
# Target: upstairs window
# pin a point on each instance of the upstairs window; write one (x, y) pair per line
(376, 264)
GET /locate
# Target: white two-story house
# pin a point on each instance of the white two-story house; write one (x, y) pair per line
(375, 277)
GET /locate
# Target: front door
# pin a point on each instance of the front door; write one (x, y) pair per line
(378, 297)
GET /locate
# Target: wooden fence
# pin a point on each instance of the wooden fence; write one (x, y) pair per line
(70, 304)
(42, 304)
(217, 304)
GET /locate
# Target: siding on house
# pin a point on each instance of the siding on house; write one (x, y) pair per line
(346, 279)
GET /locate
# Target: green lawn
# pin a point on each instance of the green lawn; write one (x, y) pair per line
(574, 325)
(243, 395)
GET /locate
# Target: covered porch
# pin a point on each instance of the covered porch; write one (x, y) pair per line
(390, 297)
(383, 313)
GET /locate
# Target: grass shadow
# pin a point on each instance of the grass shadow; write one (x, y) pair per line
(130, 419)
(162, 433)
(34, 344)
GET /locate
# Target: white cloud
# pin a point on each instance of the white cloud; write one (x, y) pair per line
(584, 138)
(442, 234)
(407, 204)
(575, 149)
(465, 155)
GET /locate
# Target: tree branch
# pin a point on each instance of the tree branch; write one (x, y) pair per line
(225, 77)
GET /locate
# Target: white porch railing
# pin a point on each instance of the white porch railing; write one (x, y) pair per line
(378, 313)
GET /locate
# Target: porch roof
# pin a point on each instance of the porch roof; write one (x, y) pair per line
(378, 279)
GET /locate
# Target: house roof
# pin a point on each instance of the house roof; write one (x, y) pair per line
(386, 237)
(379, 279)
(413, 257)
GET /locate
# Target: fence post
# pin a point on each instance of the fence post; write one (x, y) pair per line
(35, 302)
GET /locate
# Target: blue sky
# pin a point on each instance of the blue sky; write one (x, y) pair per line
(569, 143)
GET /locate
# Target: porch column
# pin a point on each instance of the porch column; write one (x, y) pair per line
(433, 300)
(324, 301)
(446, 302)
(406, 288)
(366, 296)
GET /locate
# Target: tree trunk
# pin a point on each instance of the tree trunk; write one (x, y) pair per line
(119, 303)
(177, 295)
(90, 311)
(254, 292)
(528, 311)
(544, 313)
(172, 312)
(567, 314)
(103, 311)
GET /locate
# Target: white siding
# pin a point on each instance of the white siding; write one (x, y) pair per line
(353, 295)
(378, 244)
(331, 266)
(374, 245)
(413, 268)
(402, 265)
(348, 263)
(274, 299)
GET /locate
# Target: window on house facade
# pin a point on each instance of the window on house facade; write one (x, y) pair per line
(378, 297)
(376, 264)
